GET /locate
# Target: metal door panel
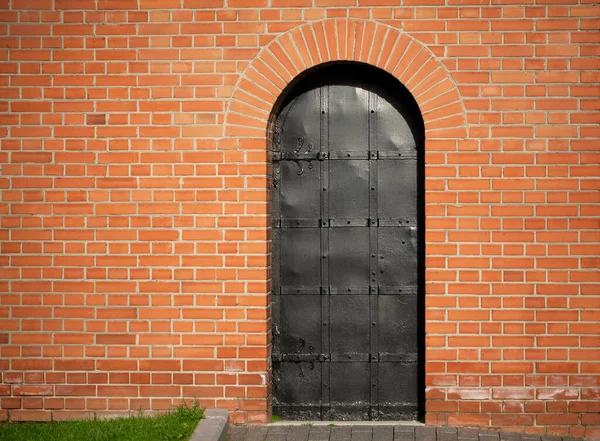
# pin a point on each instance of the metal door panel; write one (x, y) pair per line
(348, 103)
(350, 394)
(349, 325)
(398, 399)
(396, 335)
(398, 256)
(300, 120)
(345, 255)
(394, 134)
(300, 316)
(399, 179)
(298, 388)
(349, 189)
(299, 193)
(349, 258)
(299, 263)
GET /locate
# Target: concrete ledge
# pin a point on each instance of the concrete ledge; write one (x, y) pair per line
(213, 427)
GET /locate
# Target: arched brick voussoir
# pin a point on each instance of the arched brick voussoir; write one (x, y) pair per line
(287, 45)
(331, 40)
(298, 40)
(264, 81)
(351, 39)
(367, 42)
(319, 32)
(278, 52)
(277, 65)
(440, 100)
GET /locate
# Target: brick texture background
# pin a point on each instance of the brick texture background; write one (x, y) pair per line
(134, 208)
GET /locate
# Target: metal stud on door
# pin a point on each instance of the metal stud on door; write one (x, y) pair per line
(345, 255)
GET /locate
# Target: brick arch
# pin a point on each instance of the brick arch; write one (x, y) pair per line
(366, 41)
(266, 77)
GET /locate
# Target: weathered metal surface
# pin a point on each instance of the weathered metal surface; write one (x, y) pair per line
(345, 256)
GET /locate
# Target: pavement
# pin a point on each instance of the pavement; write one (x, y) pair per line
(377, 433)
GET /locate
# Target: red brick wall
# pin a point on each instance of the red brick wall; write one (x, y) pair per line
(134, 250)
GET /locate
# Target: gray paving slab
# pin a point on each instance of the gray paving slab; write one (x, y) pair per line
(465, 433)
(298, 433)
(277, 433)
(425, 433)
(506, 436)
(237, 433)
(383, 433)
(447, 434)
(341, 434)
(256, 434)
(361, 435)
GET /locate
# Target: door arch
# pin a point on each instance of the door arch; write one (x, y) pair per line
(347, 219)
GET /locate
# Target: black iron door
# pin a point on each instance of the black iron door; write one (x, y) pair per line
(345, 255)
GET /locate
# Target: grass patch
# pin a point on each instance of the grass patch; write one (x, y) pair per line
(177, 425)
(276, 418)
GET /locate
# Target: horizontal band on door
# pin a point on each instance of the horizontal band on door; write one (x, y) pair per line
(402, 290)
(343, 155)
(353, 411)
(348, 357)
(344, 222)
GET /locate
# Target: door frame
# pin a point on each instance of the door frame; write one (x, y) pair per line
(290, 91)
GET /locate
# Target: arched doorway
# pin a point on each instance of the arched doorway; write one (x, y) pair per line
(347, 247)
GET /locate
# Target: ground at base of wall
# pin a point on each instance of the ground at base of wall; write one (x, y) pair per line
(361, 432)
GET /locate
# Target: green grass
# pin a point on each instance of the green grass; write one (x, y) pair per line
(276, 418)
(177, 425)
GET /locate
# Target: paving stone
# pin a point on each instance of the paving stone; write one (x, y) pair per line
(298, 433)
(551, 438)
(279, 428)
(383, 433)
(466, 433)
(404, 433)
(277, 433)
(510, 436)
(256, 434)
(236, 433)
(425, 433)
(447, 434)
(488, 436)
(341, 434)
(362, 428)
(360, 434)
(319, 433)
